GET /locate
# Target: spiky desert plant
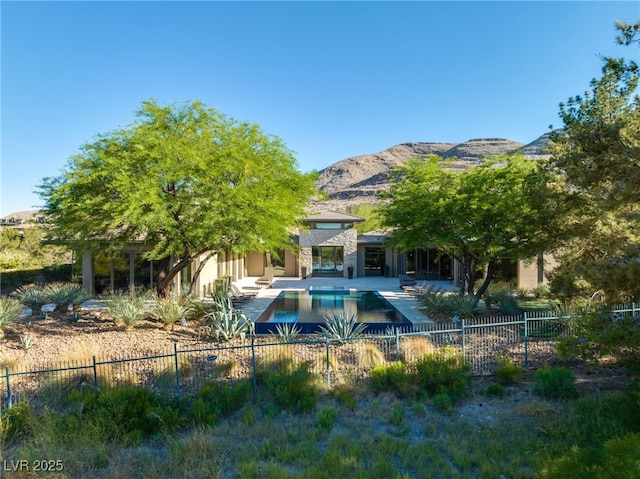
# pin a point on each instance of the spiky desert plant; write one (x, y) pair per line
(33, 296)
(288, 331)
(170, 310)
(10, 311)
(227, 324)
(64, 294)
(125, 309)
(342, 327)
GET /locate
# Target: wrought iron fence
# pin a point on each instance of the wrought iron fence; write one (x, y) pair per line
(528, 339)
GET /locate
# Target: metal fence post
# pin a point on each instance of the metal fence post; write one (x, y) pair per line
(95, 373)
(6, 370)
(254, 378)
(464, 340)
(175, 360)
(526, 341)
(326, 338)
(397, 345)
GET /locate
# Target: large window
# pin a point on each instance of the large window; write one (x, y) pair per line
(373, 261)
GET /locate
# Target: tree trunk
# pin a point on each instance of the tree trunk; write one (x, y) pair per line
(488, 278)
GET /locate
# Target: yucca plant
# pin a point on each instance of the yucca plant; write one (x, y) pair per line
(64, 294)
(342, 327)
(33, 296)
(126, 309)
(170, 310)
(10, 311)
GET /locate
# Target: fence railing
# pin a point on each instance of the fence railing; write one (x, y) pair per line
(528, 339)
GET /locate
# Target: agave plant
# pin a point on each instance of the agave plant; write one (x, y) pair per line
(33, 296)
(288, 331)
(227, 324)
(170, 310)
(126, 309)
(342, 327)
(64, 294)
(10, 311)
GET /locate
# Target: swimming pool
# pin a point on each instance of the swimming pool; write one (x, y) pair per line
(308, 308)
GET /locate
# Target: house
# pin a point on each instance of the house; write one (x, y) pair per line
(326, 246)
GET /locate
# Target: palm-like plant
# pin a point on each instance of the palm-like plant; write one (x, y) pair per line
(342, 327)
(64, 294)
(33, 296)
(288, 331)
(126, 309)
(170, 310)
(226, 323)
(10, 311)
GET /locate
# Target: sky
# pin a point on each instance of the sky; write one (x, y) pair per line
(331, 79)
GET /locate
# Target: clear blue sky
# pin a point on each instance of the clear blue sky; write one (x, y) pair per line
(332, 79)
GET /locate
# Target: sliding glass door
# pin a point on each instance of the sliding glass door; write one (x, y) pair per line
(328, 260)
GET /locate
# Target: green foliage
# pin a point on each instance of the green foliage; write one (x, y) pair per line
(495, 389)
(345, 395)
(342, 327)
(555, 382)
(226, 323)
(128, 414)
(368, 211)
(185, 177)
(169, 310)
(443, 402)
(293, 388)
(287, 332)
(326, 418)
(496, 209)
(390, 377)
(64, 294)
(127, 309)
(33, 296)
(397, 414)
(443, 372)
(25, 250)
(618, 458)
(18, 422)
(10, 311)
(217, 400)
(507, 372)
(448, 303)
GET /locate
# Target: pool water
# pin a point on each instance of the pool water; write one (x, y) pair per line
(308, 309)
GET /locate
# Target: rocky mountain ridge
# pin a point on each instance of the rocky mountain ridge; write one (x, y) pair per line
(360, 178)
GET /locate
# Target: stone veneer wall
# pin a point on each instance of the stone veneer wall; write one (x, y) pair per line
(345, 238)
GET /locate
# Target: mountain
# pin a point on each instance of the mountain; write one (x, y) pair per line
(360, 178)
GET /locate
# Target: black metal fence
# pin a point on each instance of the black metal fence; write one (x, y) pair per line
(528, 339)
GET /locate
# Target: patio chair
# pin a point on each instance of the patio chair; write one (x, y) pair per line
(239, 294)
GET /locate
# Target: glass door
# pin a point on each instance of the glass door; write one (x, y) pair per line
(328, 260)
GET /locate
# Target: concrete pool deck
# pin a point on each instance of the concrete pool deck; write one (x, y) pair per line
(389, 288)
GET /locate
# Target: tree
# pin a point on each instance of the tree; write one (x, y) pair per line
(596, 158)
(184, 179)
(499, 208)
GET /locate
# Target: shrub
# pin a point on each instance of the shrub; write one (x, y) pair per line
(326, 418)
(392, 377)
(216, 400)
(342, 327)
(287, 332)
(554, 382)
(295, 391)
(507, 372)
(170, 310)
(443, 372)
(33, 296)
(495, 389)
(415, 347)
(126, 309)
(345, 396)
(443, 402)
(10, 311)
(226, 324)
(368, 356)
(451, 304)
(397, 414)
(64, 294)
(542, 290)
(18, 422)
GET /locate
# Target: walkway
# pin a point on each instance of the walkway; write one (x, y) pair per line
(389, 288)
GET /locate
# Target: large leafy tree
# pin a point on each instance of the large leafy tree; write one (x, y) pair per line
(184, 179)
(498, 208)
(596, 158)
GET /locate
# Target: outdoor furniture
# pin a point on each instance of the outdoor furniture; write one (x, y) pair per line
(239, 294)
(266, 280)
(406, 280)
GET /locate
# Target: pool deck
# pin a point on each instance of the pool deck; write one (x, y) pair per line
(389, 288)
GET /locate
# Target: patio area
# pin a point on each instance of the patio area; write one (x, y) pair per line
(389, 288)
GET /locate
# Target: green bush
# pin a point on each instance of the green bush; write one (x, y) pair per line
(447, 303)
(17, 423)
(126, 309)
(495, 389)
(443, 372)
(294, 389)
(327, 418)
(554, 382)
(443, 402)
(216, 400)
(389, 377)
(10, 311)
(508, 373)
(345, 396)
